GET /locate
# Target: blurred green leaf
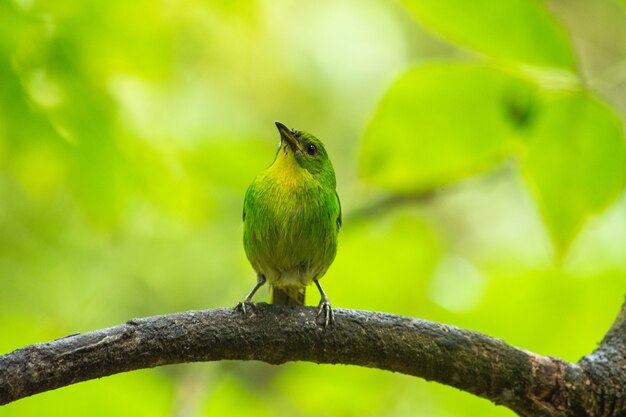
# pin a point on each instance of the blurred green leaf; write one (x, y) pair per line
(438, 123)
(515, 30)
(575, 162)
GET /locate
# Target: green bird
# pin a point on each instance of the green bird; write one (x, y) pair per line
(292, 217)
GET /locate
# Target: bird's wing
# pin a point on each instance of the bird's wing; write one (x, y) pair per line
(246, 201)
(339, 220)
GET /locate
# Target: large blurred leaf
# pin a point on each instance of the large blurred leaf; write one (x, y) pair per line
(438, 123)
(515, 30)
(575, 162)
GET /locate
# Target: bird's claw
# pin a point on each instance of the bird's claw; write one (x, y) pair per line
(326, 309)
(241, 306)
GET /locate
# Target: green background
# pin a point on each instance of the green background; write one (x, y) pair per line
(480, 158)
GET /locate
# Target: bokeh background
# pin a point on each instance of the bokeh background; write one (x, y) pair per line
(479, 152)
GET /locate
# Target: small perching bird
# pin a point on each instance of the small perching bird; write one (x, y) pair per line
(292, 217)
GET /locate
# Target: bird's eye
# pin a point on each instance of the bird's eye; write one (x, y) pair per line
(311, 149)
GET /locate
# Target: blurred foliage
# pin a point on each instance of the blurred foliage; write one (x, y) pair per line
(518, 30)
(441, 122)
(576, 161)
(489, 143)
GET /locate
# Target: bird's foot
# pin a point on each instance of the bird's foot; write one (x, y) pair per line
(325, 309)
(241, 306)
(260, 280)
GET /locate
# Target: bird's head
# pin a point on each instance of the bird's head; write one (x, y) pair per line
(308, 151)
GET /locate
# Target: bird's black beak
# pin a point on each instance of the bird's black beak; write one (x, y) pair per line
(287, 135)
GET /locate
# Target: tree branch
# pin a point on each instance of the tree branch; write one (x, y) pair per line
(606, 370)
(527, 383)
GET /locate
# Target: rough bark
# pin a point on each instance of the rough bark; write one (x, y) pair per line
(529, 384)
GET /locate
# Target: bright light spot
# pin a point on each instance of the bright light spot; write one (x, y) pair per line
(355, 45)
(458, 285)
(44, 91)
(24, 4)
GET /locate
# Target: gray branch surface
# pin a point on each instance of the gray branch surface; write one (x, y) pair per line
(527, 383)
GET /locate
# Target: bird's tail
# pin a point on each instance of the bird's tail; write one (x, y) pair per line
(288, 296)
